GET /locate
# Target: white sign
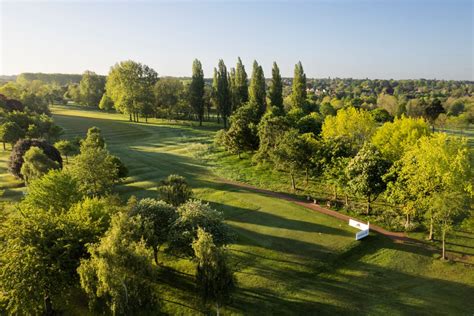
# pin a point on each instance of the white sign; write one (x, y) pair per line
(364, 228)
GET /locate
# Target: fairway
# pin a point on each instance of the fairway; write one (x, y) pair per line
(288, 259)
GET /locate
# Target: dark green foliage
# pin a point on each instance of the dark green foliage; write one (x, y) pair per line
(157, 218)
(223, 93)
(433, 110)
(241, 84)
(67, 148)
(91, 89)
(196, 91)
(193, 215)
(22, 146)
(298, 91)
(270, 130)
(242, 134)
(381, 115)
(257, 92)
(122, 169)
(276, 91)
(310, 123)
(10, 132)
(36, 164)
(174, 190)
(93, 138)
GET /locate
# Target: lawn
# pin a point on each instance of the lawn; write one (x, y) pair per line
(288, 259)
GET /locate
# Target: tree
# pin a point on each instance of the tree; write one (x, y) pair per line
(16, 159)
(257, 93)
(174, 190)
(356, 126)
(106, 103)
(388, 102)
(119, 273)
(223, 97)
(276, 91)
(168, 92)
(242, 134)
(196, 91)
(241, 84)
(298, 91)
(91, 88)
(66, 148)
(93, 138)
(365, 173)
(335, 175)
(10, 132)
(36, 164)
(393, 138)
(433, 110)
(288, 154)
(214, 277)
(327, 109)
(437, 165)
(40, 254)
(193, 215)
(129, 85)
(381, 115)
(157, 218)
(122, 170)
(270, 129)
(56, 191)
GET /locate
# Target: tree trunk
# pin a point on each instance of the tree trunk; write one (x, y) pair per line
(225, 122)
(217, 309)
(66, 159)
(4, 146)
(368, 205)
(48, 306)
(335, 192)
(407, 223)
(200, 120)
(155, 254)
(293, 185)
(146, 118)
(444, 244)
(130, 114)
(347, 199)
(430, 237)
(307, 176)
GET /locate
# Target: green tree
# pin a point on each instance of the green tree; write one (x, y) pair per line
(388, 102)
(298, 90)
(93, 138)
(130, 86)
(157, 218)
(335, 175)
(175, 190)
(66, 148)
(10, 132)
(241, 83)
(193, 215)
(106, 103)
(356, 126)
(168, 92)
(270, 129)
(36, 164)
(119, 272)
(223, 96)
(276, 91)
(214, 277)
(433, 110)
(365, 173)
(196, 91)
(327, 109)
(91, 88)
(242, 134)
(257, 92)
(393, 138)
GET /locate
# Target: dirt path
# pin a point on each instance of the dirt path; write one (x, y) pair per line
(398, 237)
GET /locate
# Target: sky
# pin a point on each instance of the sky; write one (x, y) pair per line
(378, 39)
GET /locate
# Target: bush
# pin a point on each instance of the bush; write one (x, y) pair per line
(22, 146)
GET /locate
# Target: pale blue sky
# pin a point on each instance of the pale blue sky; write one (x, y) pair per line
(359, 39)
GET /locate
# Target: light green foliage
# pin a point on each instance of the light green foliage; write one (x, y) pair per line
(157, 218)
(435, 165)
(242, 134)
(214, 277)
(257, 92)
(56, 191)
(335, 175)
(93, 139)
(174, 190)
(241, 84)
(298, 90)
(195, 214)
(40, 253)
(276, 91)
(106, 103)
(119, 273)
(196, 91)
(66, 148)
(36, 164)
(91, 88)
(10, 132)
(388, 102)
(357, 126)
(129, 85)
(365, 173)
(393, 138)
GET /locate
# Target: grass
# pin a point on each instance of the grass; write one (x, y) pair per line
(288, 259)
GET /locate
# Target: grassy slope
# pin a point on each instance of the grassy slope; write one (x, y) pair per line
(288, 259)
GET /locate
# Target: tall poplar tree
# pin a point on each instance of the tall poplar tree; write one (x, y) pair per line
(276, 90)
(223, 92)
(196, 91)
(233, 90)
(257, 94)
(241, 83)
(298, 93)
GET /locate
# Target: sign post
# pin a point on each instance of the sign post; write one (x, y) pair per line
(364, 228)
